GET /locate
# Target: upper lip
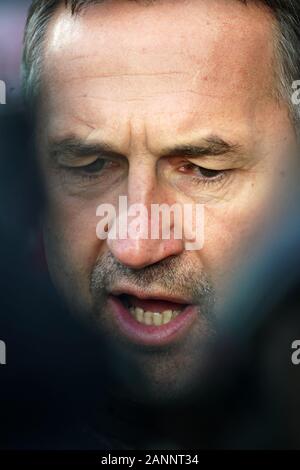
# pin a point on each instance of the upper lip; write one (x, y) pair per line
(149, 296)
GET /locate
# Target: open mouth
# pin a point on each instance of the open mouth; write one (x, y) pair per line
(151, 321)
(151, 311)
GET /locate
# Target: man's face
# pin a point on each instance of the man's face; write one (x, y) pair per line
(166, 103)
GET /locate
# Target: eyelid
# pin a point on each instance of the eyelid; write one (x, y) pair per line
(211, 168)
(77, 162)
(212, 163)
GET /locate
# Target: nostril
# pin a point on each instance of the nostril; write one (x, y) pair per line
(137, 254)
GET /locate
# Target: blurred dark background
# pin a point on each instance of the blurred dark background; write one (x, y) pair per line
(12, 20)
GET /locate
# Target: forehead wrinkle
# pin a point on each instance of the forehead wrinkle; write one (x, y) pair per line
(111, 16)
(141, 94)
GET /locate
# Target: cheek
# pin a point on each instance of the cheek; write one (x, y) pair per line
(232, 228)
(71, 244)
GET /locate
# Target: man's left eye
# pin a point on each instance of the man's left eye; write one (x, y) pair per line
(200, 171)
(207, 173)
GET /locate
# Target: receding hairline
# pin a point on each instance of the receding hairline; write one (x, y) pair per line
(77, 7)
(269, 20)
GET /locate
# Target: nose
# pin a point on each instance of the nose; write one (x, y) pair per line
(139, 240)
(138, 254)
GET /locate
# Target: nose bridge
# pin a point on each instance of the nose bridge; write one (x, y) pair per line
(142, 187)
(138, 249)
(142, 165)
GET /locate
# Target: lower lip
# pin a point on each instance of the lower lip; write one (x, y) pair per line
(151, 335)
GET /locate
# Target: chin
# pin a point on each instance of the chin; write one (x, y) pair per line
(157, 378)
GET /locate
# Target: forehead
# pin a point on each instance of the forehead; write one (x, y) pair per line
(173, 60)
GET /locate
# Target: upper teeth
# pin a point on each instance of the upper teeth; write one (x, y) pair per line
(153, 318)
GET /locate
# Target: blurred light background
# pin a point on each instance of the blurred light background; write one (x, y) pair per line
(12, 20)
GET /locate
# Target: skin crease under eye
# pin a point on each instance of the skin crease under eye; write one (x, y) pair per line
(194, 175)
(94, 165)
(205, 175)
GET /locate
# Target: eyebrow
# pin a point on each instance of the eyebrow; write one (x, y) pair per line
(211, 146)
(77, 148)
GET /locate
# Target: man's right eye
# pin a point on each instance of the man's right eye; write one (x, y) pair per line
(95, 166)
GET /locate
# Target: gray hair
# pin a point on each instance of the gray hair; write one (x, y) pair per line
(286, 12)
